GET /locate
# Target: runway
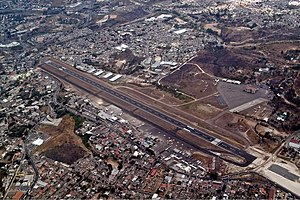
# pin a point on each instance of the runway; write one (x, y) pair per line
(213, 140)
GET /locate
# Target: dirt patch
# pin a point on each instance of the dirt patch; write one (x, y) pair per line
(190, 80)
(66, 125)
(64, 145)
(58, 153)
(204, 158)
(297, 85)
(276, 51)
(230, 63)
(236, 34)
(270, 139)
(252, 136)
(45, 109)
(123, 62)
(233, 158)
(234, 127)
(213, 27)
(269, 146)
(112, 162)
(232, 123)
(202, 110)
(216, 101)
(242, 34)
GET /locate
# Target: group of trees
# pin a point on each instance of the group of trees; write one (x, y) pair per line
(172, 91)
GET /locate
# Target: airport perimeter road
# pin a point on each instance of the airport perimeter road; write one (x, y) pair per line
(213, 140)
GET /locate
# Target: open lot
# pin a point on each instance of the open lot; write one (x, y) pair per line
(202, 110)
(190, 80)
(232, 123)
(252, 136)
(202, 157)
(216, 101)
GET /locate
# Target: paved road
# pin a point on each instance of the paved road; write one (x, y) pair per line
(36, 171)
(248, 157)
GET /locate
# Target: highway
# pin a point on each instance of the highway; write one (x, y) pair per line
(239, 152)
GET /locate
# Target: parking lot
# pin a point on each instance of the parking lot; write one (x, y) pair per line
(235, 96)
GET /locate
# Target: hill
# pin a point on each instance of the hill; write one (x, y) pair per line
(64, 145)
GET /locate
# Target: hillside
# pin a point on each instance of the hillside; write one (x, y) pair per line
(64, 145)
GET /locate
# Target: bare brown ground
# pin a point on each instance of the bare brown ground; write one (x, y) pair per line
(45, 109)
(190, 80)
(243, 57)
(269, 146)
(297, 85)
(204, 158)
(236, 34)
(232, 123)
(218, 62)
(274, 51)
(214, 27)
(233, 158)
(61, 134)
(113, 162)
(66, 125)
(252, 136)
(243, 35)
(212, 100)
(202, 110)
